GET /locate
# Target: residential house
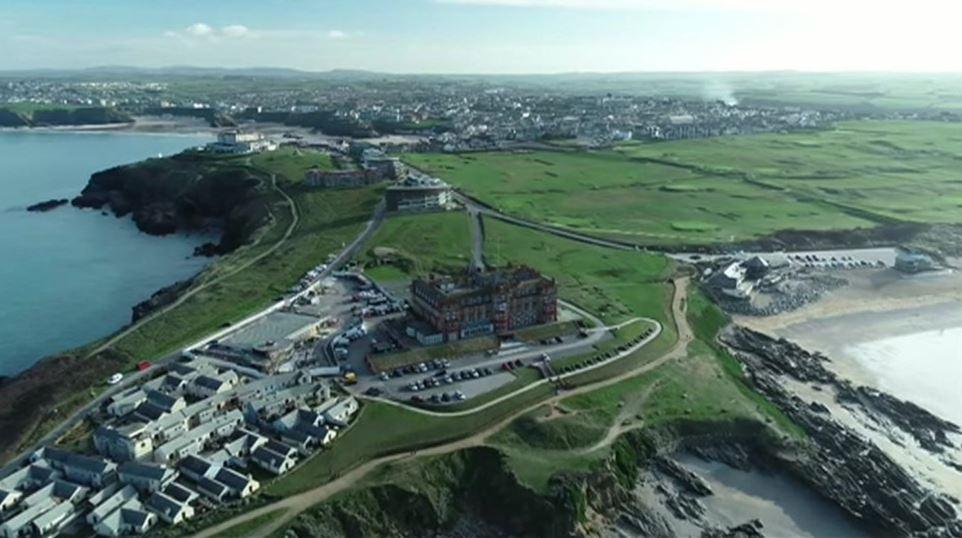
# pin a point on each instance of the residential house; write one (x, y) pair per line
(339, 411)
(86, 470)
(146, 477)
(110, 504)
(169, 510)
(205, 386)
(125, 443)
(126, 402)
(131, 518)
(273, 462)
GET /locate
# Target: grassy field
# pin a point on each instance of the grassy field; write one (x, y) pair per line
(414, 245)
(613, 285)
(727, 188)
(293, 163)
(450, 350)
(249, 527)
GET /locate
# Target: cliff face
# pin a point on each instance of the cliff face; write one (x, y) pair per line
(184, 192)
(474, 483)
(57, 117)
(37, 393)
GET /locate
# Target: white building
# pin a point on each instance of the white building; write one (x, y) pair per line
(239, 143)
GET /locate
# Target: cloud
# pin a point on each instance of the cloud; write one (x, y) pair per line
(236, 30)
(199, 29)
(337, 34)
(204, 31)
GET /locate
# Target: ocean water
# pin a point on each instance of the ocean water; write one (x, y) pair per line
(924, 368)
(70, 276)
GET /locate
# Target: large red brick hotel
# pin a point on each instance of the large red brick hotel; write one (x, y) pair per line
(495, 301)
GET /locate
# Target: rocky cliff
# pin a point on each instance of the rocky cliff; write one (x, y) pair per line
(182, 193)
(62, 117)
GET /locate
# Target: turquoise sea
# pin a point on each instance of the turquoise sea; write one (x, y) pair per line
(70, 276)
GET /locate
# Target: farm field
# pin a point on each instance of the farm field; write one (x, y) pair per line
(859, 175)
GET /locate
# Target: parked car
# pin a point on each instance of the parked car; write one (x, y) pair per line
(114, 379)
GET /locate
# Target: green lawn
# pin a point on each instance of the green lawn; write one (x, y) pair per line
(415, 245)
(614, 285)
(726, 188)
(293, 163)
(249, 527)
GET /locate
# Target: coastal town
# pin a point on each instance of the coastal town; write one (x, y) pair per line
(439, 115)
(466, 266)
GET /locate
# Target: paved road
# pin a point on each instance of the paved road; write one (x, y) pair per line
(296, 504)
(474, 207)
(477, 238)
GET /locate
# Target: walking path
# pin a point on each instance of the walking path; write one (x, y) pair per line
(296, 504)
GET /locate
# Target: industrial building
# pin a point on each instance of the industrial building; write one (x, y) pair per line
(264, 344)
(494, 301)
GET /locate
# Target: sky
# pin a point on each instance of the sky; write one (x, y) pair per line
(486, 36)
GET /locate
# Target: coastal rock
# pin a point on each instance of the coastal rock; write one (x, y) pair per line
(208, 250)
(733, 455)
(751, 529)
(684, 506)
(843, 466)
(689, 481)
(160, 299)
(644, 522)
(781, 357)
(183, 192)
(47, 205)
(930, 431)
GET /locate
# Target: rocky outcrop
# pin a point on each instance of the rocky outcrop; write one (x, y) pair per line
(837, 462)
(161, 298)
(751, 529)
(782, 357)
(689, 481)
(183, 192)
(47, 205)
